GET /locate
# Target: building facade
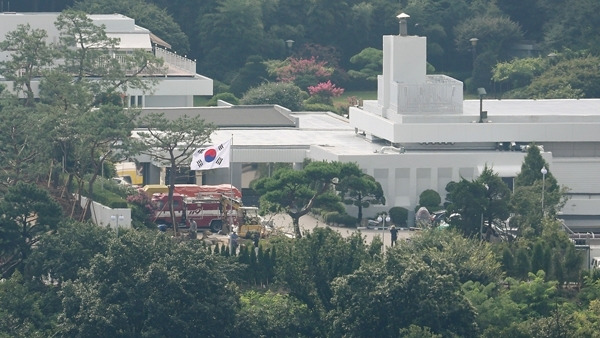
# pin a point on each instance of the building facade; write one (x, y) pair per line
(175, 87)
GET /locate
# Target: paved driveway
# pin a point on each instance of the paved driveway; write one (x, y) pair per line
(284, 223)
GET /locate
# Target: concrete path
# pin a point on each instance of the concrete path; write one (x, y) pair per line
(283, 222)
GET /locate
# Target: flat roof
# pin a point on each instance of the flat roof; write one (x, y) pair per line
(558, 107)
(260, 127)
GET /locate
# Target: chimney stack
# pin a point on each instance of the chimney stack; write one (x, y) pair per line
(403, 17)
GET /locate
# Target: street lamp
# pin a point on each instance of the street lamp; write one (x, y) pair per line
(544, 171)
(289, 44)
(474, 49)
(386, 219)
(117, 218)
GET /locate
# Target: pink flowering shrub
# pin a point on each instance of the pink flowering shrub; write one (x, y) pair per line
(326, 89)
(304, 72)
(143, 208)
(323, 92)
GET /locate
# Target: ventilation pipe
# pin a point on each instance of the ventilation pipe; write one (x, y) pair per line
(403, 17)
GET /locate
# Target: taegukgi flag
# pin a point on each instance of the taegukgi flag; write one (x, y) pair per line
(212, 157)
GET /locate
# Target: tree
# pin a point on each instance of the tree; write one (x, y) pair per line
(303, 72)
(358, 189)
(81, 98)
(24, 151)
(231, 20)
(526, 201)
(430, 199)
(417, 284)
(576, 75)
(307, 267)
(29, 55)
(284, 94)
(166, 279)
(399, 216)
(20, 314)
(253, 74)
(370, 64)
(296, 192)
(171, 143)
(497, 195)
(26, 213)
(466, 198)
(273, 315)
(60, 255)
(156, 19)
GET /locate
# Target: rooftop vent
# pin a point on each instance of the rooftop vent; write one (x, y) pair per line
(403, 17)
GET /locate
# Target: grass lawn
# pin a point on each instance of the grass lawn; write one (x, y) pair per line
(201, 101)
(361, 95)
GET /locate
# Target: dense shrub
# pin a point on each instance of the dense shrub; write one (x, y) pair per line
(399, 216)
(284, 94)
(340, 219)
(227, 97)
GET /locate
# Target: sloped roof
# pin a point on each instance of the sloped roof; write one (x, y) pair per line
(261, 116)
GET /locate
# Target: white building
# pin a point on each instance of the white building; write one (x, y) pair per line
(175, 88)
(419, 134)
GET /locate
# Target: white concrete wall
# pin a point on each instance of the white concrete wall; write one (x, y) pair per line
(105, 216)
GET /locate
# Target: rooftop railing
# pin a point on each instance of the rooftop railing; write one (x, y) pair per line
(175, 60)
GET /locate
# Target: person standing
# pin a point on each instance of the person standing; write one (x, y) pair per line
(193, 229)
(233, 243)
(394, 233)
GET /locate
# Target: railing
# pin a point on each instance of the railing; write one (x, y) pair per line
(175, 60)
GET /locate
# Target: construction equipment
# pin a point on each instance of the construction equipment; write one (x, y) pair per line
(215, 211)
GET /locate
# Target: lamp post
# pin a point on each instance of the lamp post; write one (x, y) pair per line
(474, 49)
(544, 171)
(382, 219)
(289, 43)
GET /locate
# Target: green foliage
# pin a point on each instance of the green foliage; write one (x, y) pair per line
(273, 315)
(296, 192)
(162, 277)
(253, 74)
(526, 201)
(430, 199)
(380, 298)
(359, 189)
(399, 216)
(369, 63)
(519, 72)
(308, 106)
(307, 266)
(340, 219)
(414, 331)
(29, 56)
(60, 255)
(495, 34)
(570, 78)
(20, 314)
(227, 97)
(225, 22)
(497, 200)
(26, 213)
(466, 198)
(148, 15)
(284, 94)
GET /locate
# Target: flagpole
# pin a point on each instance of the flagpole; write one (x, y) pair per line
(231, 180)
